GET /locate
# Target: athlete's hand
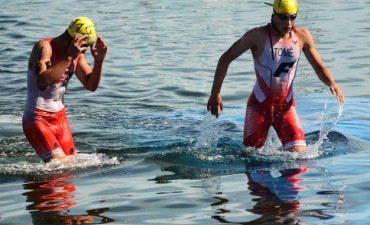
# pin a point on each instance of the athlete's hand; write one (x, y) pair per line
(335, 90)
(215, 104)
(99, 51)
(77, 46)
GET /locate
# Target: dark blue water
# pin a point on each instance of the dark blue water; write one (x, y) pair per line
(149, 153)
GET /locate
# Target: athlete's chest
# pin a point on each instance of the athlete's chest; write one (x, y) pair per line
(286, 50)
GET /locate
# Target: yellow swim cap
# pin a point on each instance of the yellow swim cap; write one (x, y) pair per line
(83, 25)
(286, 6)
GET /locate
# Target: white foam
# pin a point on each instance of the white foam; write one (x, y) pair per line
(80, 161)
(10, 119)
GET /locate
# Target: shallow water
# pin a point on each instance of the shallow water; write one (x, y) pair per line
(149, 153)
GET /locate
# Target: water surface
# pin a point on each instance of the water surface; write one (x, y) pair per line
(149, 153)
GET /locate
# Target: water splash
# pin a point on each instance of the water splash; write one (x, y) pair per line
(208, 137)
(328, 121)
(206, 145)
(272, 151)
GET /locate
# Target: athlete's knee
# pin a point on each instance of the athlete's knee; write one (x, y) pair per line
(61, 157)
(71, 151)
(296, 146)
(68, 147)
(67, 143)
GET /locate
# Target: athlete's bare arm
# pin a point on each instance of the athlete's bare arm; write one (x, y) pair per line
(90, 78)
(254, 40)
(40, 62)
(313, 57)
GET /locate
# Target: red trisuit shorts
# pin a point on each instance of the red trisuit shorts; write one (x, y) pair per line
(282, 116)
(49, 133)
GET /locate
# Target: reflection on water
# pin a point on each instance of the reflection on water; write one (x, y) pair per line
(277, 194)
(276, 198)
(52, 196)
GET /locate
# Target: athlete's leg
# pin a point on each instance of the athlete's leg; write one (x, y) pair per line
(256, 126)
(290, 132)
(297, 148)
(65, 136)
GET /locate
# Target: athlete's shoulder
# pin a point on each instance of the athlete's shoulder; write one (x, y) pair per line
(40, 49)
(302, 33)
(254, 34)
(304, 36)
(41, 44)
(254, 39)
(257, 30)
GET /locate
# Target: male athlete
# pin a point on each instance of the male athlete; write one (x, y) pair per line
(51, 65)
(276, 48)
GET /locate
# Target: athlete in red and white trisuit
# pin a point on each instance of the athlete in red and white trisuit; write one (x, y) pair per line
(271, 102)
(275, 49)
(52, 63)
(44, 120)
